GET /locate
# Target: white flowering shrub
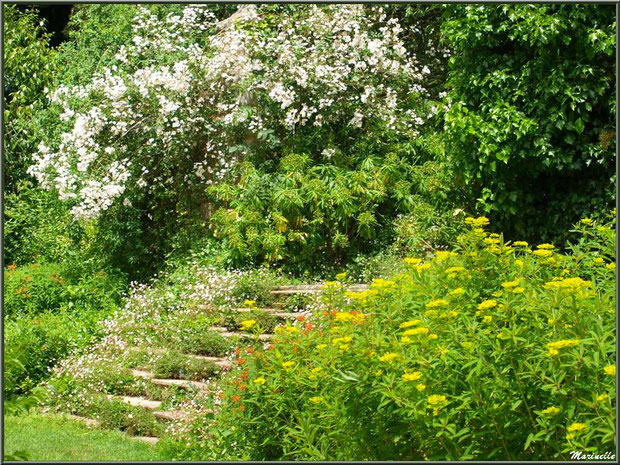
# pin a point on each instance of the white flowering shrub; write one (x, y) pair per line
(190, 97)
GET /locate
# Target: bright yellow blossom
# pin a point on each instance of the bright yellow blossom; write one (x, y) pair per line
(487, 304)
(247, 324)
(437, 303)
(416, 375)
(610, 370)
(388, 357)
(408, 324)
(260, 381)
(551, 411)
(416, 331)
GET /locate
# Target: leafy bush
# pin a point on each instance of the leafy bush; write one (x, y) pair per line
(308, 213)
(40, 341)
(29, 66)
(531, 123)
(37, 288)
(493, 350)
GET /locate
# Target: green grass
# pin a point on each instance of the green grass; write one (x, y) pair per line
(54, 437)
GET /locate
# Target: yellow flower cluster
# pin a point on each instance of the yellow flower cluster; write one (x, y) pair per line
(288, 365)
(455, 269)
(388, 357)
(316, 400)
(554, 347)
(349, 317)
(510, 284)
(416, 331)
(478, 222)
(250, 303)
(551, 411)
(437, 303)
(520, 244)
(331, 284)
(542, 253)
(574, 429)
(260, 381)
(412, 260)
(487, 304)
(341, 276)
(410, 323)
(568, 284)
(414, 376)
(380, 283)
(457, 292)
(610, 370)
(441, 255)
(344, 340)
(247, 324)
(362, 296)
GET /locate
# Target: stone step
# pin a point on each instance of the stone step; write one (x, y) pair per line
(272, 311)
(318, 286)
(137, 401)
(147, 439)
(182, 383)
(219, 361)
(175, 415)
(226, 333)
(313, 289)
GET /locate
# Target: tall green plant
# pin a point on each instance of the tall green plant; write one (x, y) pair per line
(530, 127)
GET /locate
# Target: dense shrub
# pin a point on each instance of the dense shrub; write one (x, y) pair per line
(492, 350)
(37, 288)
(40, 341)
(531, 124)
(309, 215)
(29, 66)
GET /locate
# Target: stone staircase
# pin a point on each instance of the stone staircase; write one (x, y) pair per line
(194, 386)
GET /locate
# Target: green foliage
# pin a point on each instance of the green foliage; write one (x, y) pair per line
(38, 288)
(490, 351)
(308, 213)
(38, 342)
(174, 364)
(531, 123)
(29, 67)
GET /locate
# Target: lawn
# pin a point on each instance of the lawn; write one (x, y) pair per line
(54, 437)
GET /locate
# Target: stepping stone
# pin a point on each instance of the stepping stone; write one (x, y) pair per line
(175, 415)
(219, 361)
(182, 383)
(169, 416)
(137, 401)
(273, 311)
(89, 421)
(147, 439)
(266, 309)
(226, 333)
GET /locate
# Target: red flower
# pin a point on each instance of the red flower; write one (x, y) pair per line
(237, 351)
(301, 318)
(270, 346)
(240, 361)
(235, 399)
(243, 387)
(250, 350)
(245, 374)
(308, 325)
